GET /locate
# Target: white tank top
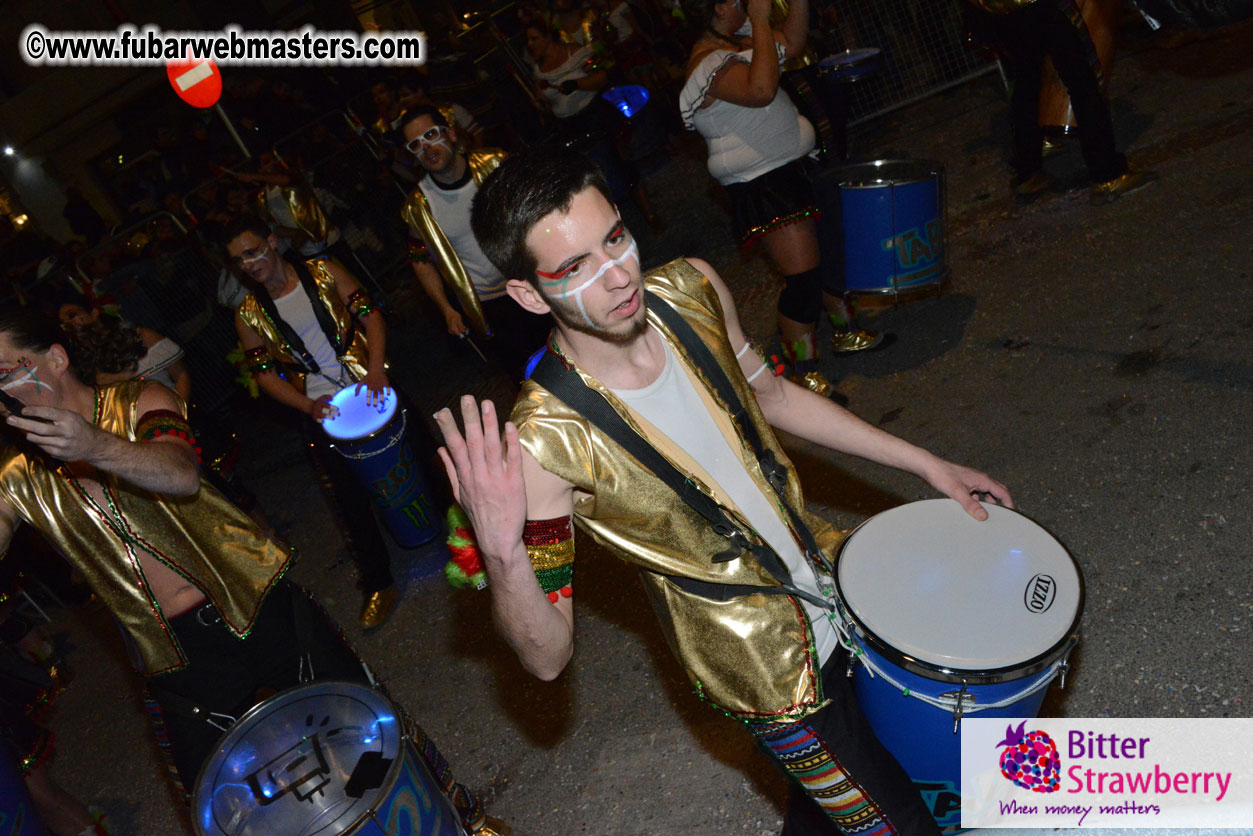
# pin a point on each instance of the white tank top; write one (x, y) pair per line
(297, 311)
(672, 404)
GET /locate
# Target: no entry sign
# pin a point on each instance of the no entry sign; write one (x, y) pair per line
(197, 82)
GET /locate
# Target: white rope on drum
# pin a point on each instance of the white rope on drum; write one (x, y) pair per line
(853, 646)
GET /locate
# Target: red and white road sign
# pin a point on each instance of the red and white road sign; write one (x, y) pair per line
(199, 83)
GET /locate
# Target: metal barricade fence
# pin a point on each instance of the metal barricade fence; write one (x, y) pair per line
(351, 175)
(161, 278)
(921, 47)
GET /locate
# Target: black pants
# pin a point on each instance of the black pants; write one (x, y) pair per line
(869, 786)
(228, 675)
(353, 504)
(1028, 35)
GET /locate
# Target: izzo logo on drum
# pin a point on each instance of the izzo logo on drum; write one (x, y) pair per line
(399, 486)
(1040, 592)
(917, 249)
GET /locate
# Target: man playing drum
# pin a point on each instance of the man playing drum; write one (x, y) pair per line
(109, 475)
(665, 353)
(313, 319)
(442, 247)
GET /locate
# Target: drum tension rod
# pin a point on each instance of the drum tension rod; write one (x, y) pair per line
(958, 708)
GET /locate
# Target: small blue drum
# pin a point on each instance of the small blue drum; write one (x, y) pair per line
(17, 811)
(893, 214)
(324, 759)
(953, 617)
(372, 438)
(849, 65)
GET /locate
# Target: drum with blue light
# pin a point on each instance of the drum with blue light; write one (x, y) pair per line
(324, 759)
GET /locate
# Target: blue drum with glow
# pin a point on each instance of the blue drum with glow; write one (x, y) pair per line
(644, 132)
(372, 437)
(17, 811)
(893, 224)
(324, 759)
(953, 617)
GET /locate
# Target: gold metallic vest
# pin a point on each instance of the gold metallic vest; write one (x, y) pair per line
(417, 213)
(752, 656)
(305, 210)
(204, 538)
(355, 360)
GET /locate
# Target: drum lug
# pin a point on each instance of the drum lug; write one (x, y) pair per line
(1062, 667)
(960, 701)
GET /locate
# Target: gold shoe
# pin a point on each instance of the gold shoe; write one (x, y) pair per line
(378, 606)
(1031, 188)
(493, 826)
(1124, 184)
(845, 342)
(813, 381)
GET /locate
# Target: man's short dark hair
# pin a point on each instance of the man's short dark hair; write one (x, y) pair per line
(30, 329)
(525, 188)
(240, 224)
(417, 113)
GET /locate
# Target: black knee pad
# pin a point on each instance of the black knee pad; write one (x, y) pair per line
(801, 299)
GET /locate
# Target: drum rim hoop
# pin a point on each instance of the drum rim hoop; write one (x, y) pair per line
(941, 673)
(848, 175)
(322, 685)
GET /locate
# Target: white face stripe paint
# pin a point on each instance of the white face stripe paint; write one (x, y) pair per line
(632, 252)
(16, 380)
(264, 255)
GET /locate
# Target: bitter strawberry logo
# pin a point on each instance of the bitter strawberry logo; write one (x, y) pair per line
(1030, 759)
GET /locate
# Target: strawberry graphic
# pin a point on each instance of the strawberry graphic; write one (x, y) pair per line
(1030, 760)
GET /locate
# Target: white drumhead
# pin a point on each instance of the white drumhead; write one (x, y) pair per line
(941, 587)
(358, 417)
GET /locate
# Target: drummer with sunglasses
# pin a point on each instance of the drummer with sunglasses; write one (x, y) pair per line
(312, 321)
(443, 251)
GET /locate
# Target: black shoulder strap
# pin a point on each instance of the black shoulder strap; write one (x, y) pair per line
(771, 468)
(297, 346)
(557, 377)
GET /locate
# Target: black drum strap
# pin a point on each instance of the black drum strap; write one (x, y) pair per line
(555, 375)
(302, 355)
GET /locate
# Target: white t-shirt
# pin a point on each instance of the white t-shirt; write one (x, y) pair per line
(297, 311)
(572, 69)
(451, 209)
(744, 142)
(672, 404)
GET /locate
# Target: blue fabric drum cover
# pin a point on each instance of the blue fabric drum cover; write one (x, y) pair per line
(372, 438)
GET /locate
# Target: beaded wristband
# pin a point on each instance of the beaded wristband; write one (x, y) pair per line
(163, 422)
(550, 545)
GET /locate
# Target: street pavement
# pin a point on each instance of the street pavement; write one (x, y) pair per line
(1095, 359)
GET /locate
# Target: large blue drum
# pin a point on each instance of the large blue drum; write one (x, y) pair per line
(372, 437)
(953, 617)
(324, 759)
(893, 214)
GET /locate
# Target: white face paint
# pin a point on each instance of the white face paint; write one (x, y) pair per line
(632, 253)
(264, 255)
(21, 375)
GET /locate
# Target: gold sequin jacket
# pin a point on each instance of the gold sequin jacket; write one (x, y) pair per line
(752, 656)
(305, 210)
(417, 214)
(204, 538)
(355, 359)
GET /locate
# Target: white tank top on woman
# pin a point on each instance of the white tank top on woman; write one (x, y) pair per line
(744, 142)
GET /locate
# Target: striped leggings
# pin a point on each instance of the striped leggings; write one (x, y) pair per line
(845, 782)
